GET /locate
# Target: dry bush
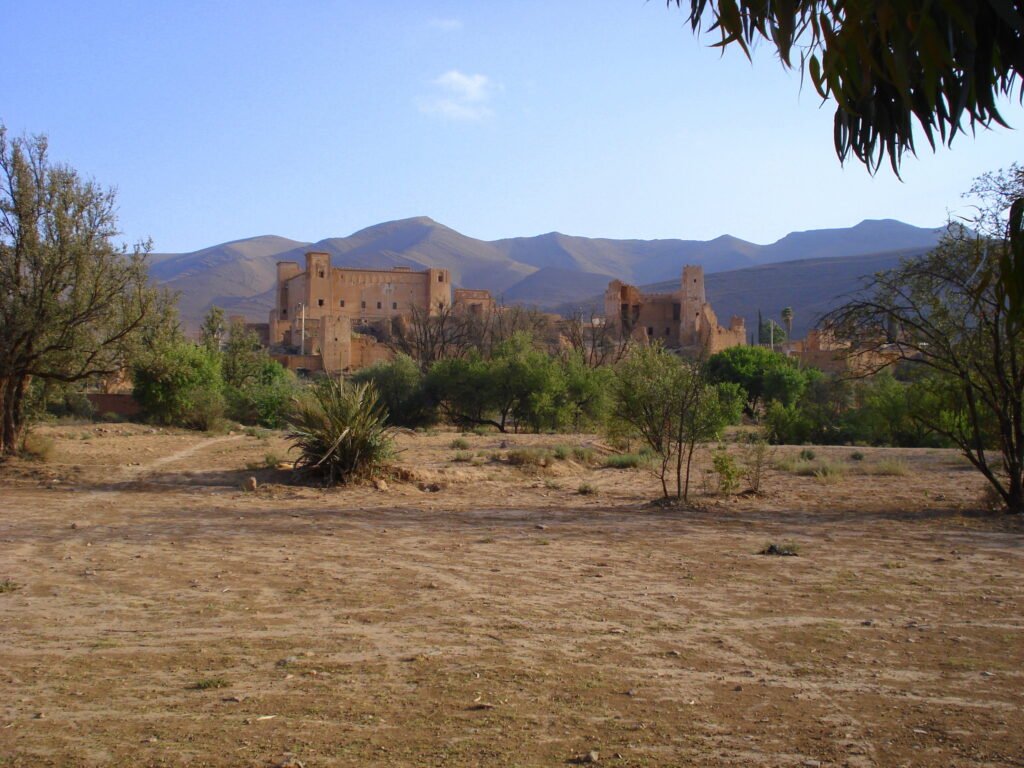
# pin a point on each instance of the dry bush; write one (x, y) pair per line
(38, 447)
(529, 457)
(887, 467)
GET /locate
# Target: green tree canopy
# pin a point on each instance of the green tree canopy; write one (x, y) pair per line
(763, 375)
(73, 305)
(943, 64)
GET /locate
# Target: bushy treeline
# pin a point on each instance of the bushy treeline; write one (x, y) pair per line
(800, 405)
(182, 383)
(520, 386)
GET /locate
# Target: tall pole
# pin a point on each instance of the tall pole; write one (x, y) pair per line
(302, 332)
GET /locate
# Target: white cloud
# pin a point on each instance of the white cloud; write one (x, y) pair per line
(445, 25)
(460, 96)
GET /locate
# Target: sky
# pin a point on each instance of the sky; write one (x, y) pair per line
(223, 119)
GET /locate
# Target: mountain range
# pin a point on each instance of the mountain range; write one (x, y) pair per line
(804, 270)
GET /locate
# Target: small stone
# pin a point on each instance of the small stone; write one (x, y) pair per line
(250, 484)
(738, 688)
(867, 623)
(540, 527)
(287, 660)
(812, 763)
(74, 526)
(591, 757)
(381, 485)
(38, 716)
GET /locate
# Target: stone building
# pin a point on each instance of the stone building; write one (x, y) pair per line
(822, 350)
(324, 317)
(681, 320)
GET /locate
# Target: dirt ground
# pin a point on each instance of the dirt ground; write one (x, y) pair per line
(473, 613)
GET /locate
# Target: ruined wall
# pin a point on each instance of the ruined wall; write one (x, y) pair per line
(680, 320)
(473, 301)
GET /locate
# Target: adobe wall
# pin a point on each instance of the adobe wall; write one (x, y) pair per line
(680, 320)
(473, 301)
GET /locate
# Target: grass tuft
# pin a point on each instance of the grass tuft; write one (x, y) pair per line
(783, 549)
(209, 683)
(887, 467)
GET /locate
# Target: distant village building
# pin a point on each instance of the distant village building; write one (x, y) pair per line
(682, 320)
(324, 316)
(822, 350)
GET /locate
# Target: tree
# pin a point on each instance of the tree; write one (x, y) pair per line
(73, 305)
(401, 387)
(941, 63)
(787, 320)
(213, 328)
(952, 315)
(672, 405)
(180, 383)
(763, 375)
(594, 340)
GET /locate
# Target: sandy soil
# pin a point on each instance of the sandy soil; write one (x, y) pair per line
(152, 613)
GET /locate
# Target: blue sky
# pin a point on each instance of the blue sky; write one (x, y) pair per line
(222, 120)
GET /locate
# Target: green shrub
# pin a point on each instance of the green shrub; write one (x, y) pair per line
(265, 399)
(582, 454)
(757, 455)
(180, 383)
(340, 431)
(561, 452)
(807, 454)
(401, 386)
(586, 489)
(624, 461)
(462, 456)
(727, 471)
(857, 456)
(459, 444)
(828, 471)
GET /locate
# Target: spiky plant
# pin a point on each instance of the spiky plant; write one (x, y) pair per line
(340, 431)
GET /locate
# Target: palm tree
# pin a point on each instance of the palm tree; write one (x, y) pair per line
(787, 320)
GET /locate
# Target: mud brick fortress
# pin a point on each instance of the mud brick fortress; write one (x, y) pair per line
(680, 320)
(327, 318)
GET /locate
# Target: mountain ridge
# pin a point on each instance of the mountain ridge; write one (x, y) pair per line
(547, 270)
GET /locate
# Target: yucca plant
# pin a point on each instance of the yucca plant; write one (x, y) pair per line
(340, 430)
